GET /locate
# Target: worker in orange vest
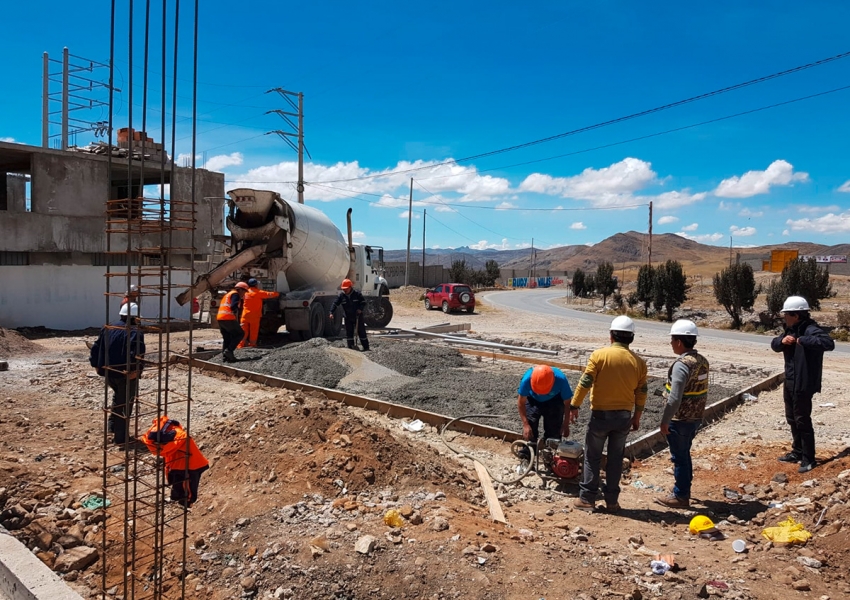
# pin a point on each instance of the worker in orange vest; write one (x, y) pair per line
(252, 312)
(228, 320)
(181, 457)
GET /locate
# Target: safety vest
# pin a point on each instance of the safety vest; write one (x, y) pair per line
(178, 450)
(225, 311)
(696, 387)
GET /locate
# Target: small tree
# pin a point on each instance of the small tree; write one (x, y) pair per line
(670, 287)
(578, 283)
(805, 278)
(459, 272)
(605, 282)
(491, 272)
(589, 285)
(645, 283)
(775, 295)
(735, 289)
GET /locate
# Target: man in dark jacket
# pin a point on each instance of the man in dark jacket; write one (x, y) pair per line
(352, 304)
(117, 356)
(802, 344)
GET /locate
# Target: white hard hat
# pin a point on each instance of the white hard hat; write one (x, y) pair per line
(623, 323)
(131, 307)
(134, 288)
(684, 327)
(795, 303)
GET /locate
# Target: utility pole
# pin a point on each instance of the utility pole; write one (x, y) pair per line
(531, 272)
(297, 132)
(650, 234)
(424, 216)
(409, 225)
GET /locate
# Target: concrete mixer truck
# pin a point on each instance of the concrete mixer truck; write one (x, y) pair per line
(296, 250)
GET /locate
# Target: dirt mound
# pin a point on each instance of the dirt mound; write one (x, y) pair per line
(13, 343)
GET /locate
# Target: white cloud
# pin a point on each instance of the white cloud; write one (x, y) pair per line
(828, 224)
(9, 140)
(845, 187)
(742, 231)
(751, 213)
(667, 219)
(222, 161)
(358, 235)
(675, 199)
(786, 232)
(607, 186)
(752, 183)
(691, 227)
(704, 238)
(505, 206)
(406, 213)
(578, 225)
(804, 208)
(728, 205)
(484, 245)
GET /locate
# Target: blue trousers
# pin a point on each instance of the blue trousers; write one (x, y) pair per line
(611, 426)
(681, 436)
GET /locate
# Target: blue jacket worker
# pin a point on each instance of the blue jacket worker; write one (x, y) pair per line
(117, 355)
(352, 304)
(544, 392)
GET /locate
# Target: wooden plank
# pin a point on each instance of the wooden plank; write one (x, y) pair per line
(490, 493)
(446, 328)
(523, 359)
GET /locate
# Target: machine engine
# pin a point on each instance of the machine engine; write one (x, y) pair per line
(563, 457)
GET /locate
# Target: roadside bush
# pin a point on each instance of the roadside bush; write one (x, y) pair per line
(807, 279)
(844, 318)
(840, 335)
(578, 283)
(604, 281)
(645, 284)
(736, 290)
(618, 302)
(748, 327)
(632, 300)
(775, 295)
(670, 288)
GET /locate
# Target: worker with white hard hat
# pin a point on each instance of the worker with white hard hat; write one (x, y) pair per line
(802, 344)
(616, 379)
(686, 393)
(117, 355)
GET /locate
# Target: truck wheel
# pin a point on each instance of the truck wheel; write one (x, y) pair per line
(334, 326)
(428, 304)
(269, 324)
(378, 314)
(316, 321)
(446, 308)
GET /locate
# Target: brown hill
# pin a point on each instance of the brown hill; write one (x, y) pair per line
(627, 251)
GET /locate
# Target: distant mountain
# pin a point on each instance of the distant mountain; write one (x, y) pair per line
(625, 251)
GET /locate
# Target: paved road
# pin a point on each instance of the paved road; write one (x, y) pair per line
(539, 301)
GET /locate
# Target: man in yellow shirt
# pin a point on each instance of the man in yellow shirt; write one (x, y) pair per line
(616, 379)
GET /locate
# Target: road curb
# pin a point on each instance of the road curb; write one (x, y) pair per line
(25, 577)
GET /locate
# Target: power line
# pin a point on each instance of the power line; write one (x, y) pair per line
(602, 124)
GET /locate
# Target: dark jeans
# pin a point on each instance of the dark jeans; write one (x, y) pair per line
(231, 333)
(552, 412)
(611, 426)
(185, 490)
(680, 438)
(798, 414)
(361, 331)
(122, 405)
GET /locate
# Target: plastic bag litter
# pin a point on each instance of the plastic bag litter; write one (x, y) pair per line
(747, 397)
(415, 426)
(659, 567)
(787, 532)
(393, 518)
(93, 502)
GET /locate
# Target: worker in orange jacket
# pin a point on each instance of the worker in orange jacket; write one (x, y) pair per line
(182, 459)
(252, 312)
(228, 317)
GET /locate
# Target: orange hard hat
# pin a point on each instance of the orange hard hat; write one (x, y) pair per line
(542, 379)
(242, 286)
(346, 283)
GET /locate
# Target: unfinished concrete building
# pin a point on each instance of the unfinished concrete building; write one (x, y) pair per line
(53, 242)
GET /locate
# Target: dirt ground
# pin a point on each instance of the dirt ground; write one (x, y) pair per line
(298, 482)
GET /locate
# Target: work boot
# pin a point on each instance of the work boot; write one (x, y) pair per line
(351, 346)
(806, 466)
(791, 457)
(673, 501)
(581, 504)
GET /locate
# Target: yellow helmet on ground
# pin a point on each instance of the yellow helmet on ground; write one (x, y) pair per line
(700, 523)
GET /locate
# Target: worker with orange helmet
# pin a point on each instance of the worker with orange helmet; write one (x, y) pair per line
(544, 392)
(181, 458)
(352, 303)
(252, 312)
(228, 317)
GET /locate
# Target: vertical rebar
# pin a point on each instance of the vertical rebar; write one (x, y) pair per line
(65, 98)
(45, 101)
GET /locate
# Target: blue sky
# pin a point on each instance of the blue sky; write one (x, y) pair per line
(390, 86)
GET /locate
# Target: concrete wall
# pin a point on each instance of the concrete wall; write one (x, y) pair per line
(434, 274)
(209, 211)
(68, 185)
(31, 232)
(16, 191)
(68, 297)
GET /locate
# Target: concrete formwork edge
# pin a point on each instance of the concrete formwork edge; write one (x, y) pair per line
(24, 577)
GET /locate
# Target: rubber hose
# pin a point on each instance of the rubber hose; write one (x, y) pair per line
(528, 467)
